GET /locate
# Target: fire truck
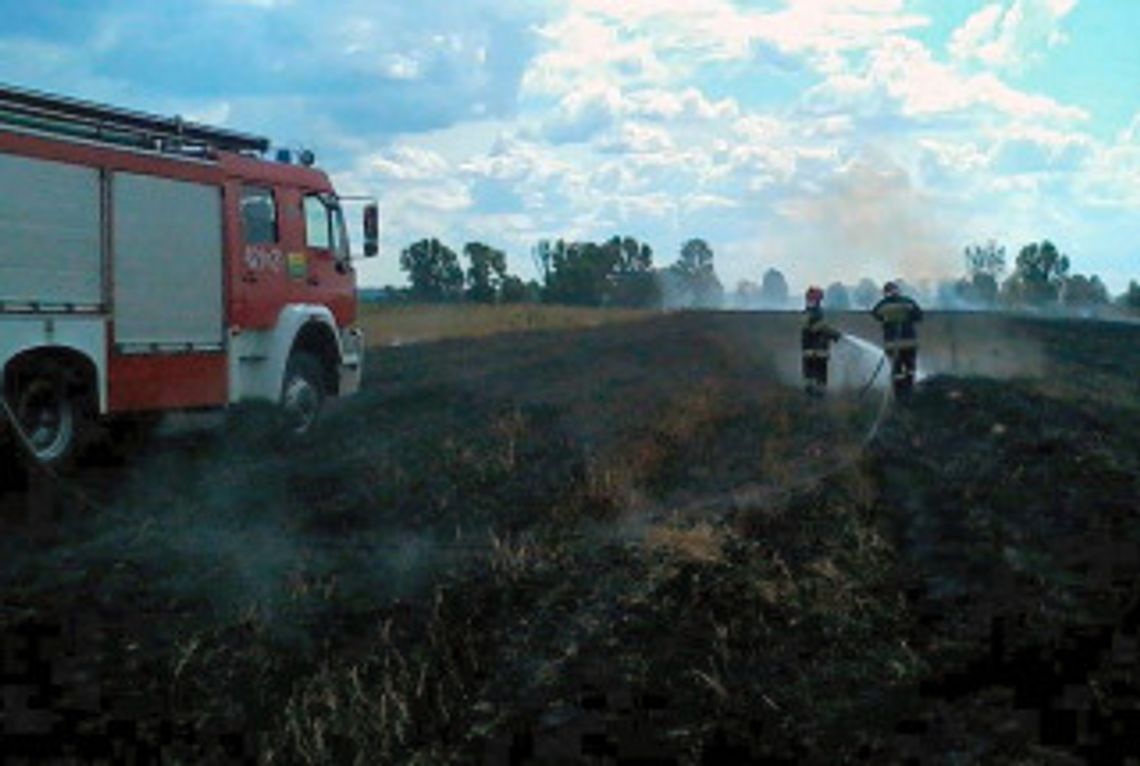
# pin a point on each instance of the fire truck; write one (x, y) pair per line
(151, 264)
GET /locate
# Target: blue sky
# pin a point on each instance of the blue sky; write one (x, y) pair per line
(832, 139)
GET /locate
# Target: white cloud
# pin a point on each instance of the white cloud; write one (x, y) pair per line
(1131, 134)
(970, 38)
(1013, 36)
(694, 203)
(444, 197)
(761, 128)
(825, 29)
(689, 103)
(1032, 148)
(954, 157)
(405, 163)
(217, 113)
(1112, 177)
(702, 28)
(582, 48)
(637, 138)
(400, 67)
(657, 205)
(509, 120)
(583, 113)
(513, 158)
(758, 166)
(903, 71)
(660, 41)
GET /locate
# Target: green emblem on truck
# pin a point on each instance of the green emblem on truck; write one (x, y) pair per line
(298, 265)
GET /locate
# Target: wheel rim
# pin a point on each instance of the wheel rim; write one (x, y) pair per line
(301, 403)
(46, 419)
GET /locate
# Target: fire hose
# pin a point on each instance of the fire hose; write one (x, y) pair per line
(57, 481)
(874, 376)
(17, 429)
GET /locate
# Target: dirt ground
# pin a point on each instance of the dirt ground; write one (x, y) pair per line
(636, 543)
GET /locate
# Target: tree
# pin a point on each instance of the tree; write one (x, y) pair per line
(695, 275)
(633, 282)
(950, 292)
(985, 265)
(433, 269)
(514, 290)
(984, 288)
(576, 273)
(617, 272)
(865, 294)
(1079, 290)
(979, 290)
(1131, 297)
(486, 273)
(835, 297)
(747, 294)
(985, 259)
(774, 289)
(1039, 274)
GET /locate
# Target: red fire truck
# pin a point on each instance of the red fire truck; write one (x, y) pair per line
(150, 264)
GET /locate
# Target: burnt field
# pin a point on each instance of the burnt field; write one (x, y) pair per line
(637, 543)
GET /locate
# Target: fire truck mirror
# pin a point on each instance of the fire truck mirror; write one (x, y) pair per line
(371, 230)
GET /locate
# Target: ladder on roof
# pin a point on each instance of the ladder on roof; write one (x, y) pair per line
(58, 115)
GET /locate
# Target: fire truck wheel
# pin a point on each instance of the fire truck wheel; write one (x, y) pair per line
(50, 411)
(302, 393)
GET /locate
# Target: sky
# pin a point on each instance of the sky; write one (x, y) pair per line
(830, 139)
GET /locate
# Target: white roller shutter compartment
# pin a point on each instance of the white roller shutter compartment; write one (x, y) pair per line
(167, 255)
(49, 233)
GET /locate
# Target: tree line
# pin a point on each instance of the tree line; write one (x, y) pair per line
(1040, 279)
(617, 272)
(620, 271)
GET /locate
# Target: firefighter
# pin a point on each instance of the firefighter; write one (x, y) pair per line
(898, 314)
(816, 338)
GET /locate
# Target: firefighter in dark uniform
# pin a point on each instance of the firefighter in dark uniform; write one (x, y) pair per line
(816, 338)
(898, 314)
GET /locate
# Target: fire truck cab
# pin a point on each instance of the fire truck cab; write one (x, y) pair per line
(148, 264)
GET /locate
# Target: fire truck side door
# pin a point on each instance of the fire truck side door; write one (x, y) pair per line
(324, 271)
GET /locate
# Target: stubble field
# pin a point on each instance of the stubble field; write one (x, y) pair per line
(631, 541)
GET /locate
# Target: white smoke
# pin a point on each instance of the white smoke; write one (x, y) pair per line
(874, 218)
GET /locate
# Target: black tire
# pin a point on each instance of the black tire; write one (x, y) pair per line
(302, 394)
(53, 413)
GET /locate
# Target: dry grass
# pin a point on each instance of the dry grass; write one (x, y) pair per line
(713, 541)
(702, 543)
(403, 697)
(399, 325)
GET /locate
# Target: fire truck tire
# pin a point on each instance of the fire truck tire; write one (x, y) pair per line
(53, 413)
(302, 394)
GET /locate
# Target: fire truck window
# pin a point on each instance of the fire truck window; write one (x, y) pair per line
(258, 215)
(316, 222)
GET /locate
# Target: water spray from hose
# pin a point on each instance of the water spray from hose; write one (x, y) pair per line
(871, 348)
(864, 344)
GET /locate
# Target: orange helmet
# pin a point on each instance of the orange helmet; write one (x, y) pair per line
(813, 296)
